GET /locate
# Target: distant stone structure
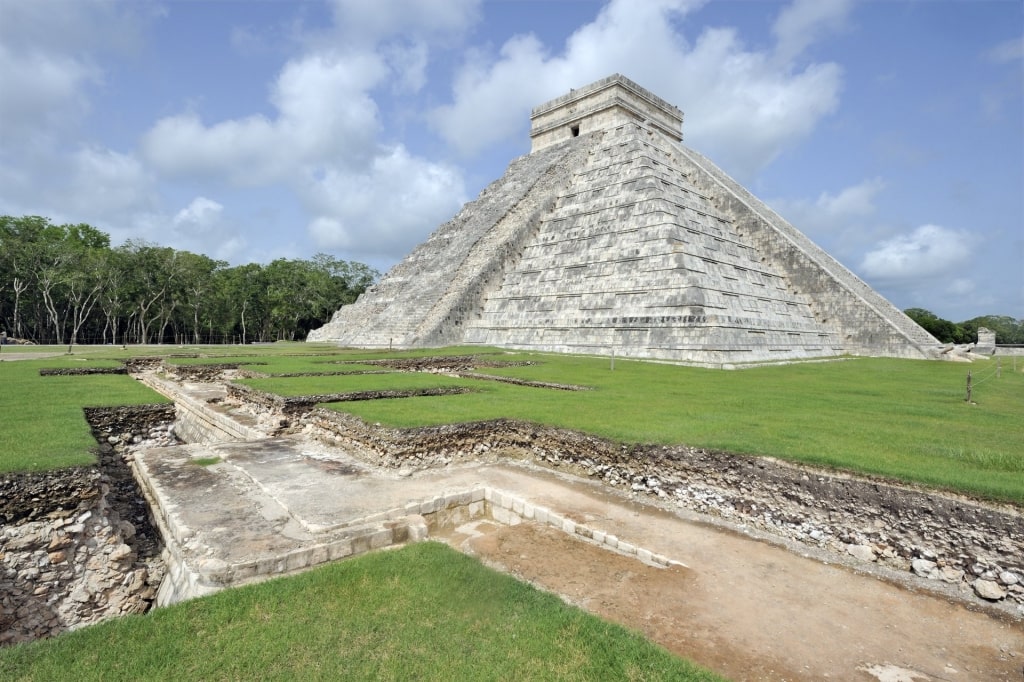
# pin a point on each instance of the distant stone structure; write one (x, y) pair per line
(611, 237)
(986, 342)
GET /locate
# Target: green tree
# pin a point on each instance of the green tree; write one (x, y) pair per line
(1008, 329)
(943, 330)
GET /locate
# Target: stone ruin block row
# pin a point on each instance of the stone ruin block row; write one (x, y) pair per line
(611, 237)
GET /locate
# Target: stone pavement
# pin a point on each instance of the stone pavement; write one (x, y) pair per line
(232, 513)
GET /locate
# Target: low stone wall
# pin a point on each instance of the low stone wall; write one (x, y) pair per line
(74, 568)
(81, 371)
(977, 548)
(76, 545)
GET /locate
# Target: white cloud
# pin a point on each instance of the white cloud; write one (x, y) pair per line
(841, 221)
(1007, 51)
(203, 227)
(49, 94)
(324, 139)
(400, 32)
(47, 57)
(385, 209)
(108, 185)
(856, 200)
(198, 216)
(805, 22)
(928, 251)
(743, 107)
(324, 116)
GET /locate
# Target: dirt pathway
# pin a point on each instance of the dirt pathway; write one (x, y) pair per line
(753, 611)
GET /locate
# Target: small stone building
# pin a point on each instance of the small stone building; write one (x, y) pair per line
(610, 236)
(986, 342)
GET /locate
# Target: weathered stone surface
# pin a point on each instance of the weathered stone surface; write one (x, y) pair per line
(934, 536)
(613, 238)
(861, 552)
(65, 557)
(923, 567)
(989, 589)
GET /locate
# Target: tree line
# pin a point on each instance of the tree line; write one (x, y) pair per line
(1008, 330)
(66, 284)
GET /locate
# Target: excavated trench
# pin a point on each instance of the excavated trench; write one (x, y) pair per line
(78, 545)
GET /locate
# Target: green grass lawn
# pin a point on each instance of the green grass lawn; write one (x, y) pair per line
(903, 419)
(897, 418)
(391, 381)
(425, 612)
(42, 425)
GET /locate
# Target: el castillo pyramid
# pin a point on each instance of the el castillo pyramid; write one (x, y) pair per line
(611, 237)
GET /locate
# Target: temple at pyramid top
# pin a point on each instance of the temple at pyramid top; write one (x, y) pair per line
(611, 237)
(602, 105)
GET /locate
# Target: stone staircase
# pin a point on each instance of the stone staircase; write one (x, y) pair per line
(423, 299)
(634, 260)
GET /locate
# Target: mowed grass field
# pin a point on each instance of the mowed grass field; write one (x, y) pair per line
(903, 419)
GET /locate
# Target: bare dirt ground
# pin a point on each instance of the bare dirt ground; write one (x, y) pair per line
(753, 611)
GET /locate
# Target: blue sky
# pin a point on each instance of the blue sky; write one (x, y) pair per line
(891, 133)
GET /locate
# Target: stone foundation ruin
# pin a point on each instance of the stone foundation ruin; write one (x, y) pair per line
(613, 238)
(82, 545)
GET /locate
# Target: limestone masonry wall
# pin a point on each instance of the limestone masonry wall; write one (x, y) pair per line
(431, 284)
(867, 323)
(76, 545)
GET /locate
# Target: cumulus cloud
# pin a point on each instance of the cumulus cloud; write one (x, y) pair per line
(832, 214)
(108, 186)
(385, 209)
(324, 116)
(856, 200)
(742, 106)
(324, 138)
(400, 32)
(928, 251)
(47, 57)
(805, 22)
(198, 216)
(203, 227)
(49, 88)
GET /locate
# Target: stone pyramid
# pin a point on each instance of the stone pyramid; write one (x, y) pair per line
(611, 237)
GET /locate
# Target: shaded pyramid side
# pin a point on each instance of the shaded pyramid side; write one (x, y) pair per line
(635, 260)
(424, 298)
(865, 322)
